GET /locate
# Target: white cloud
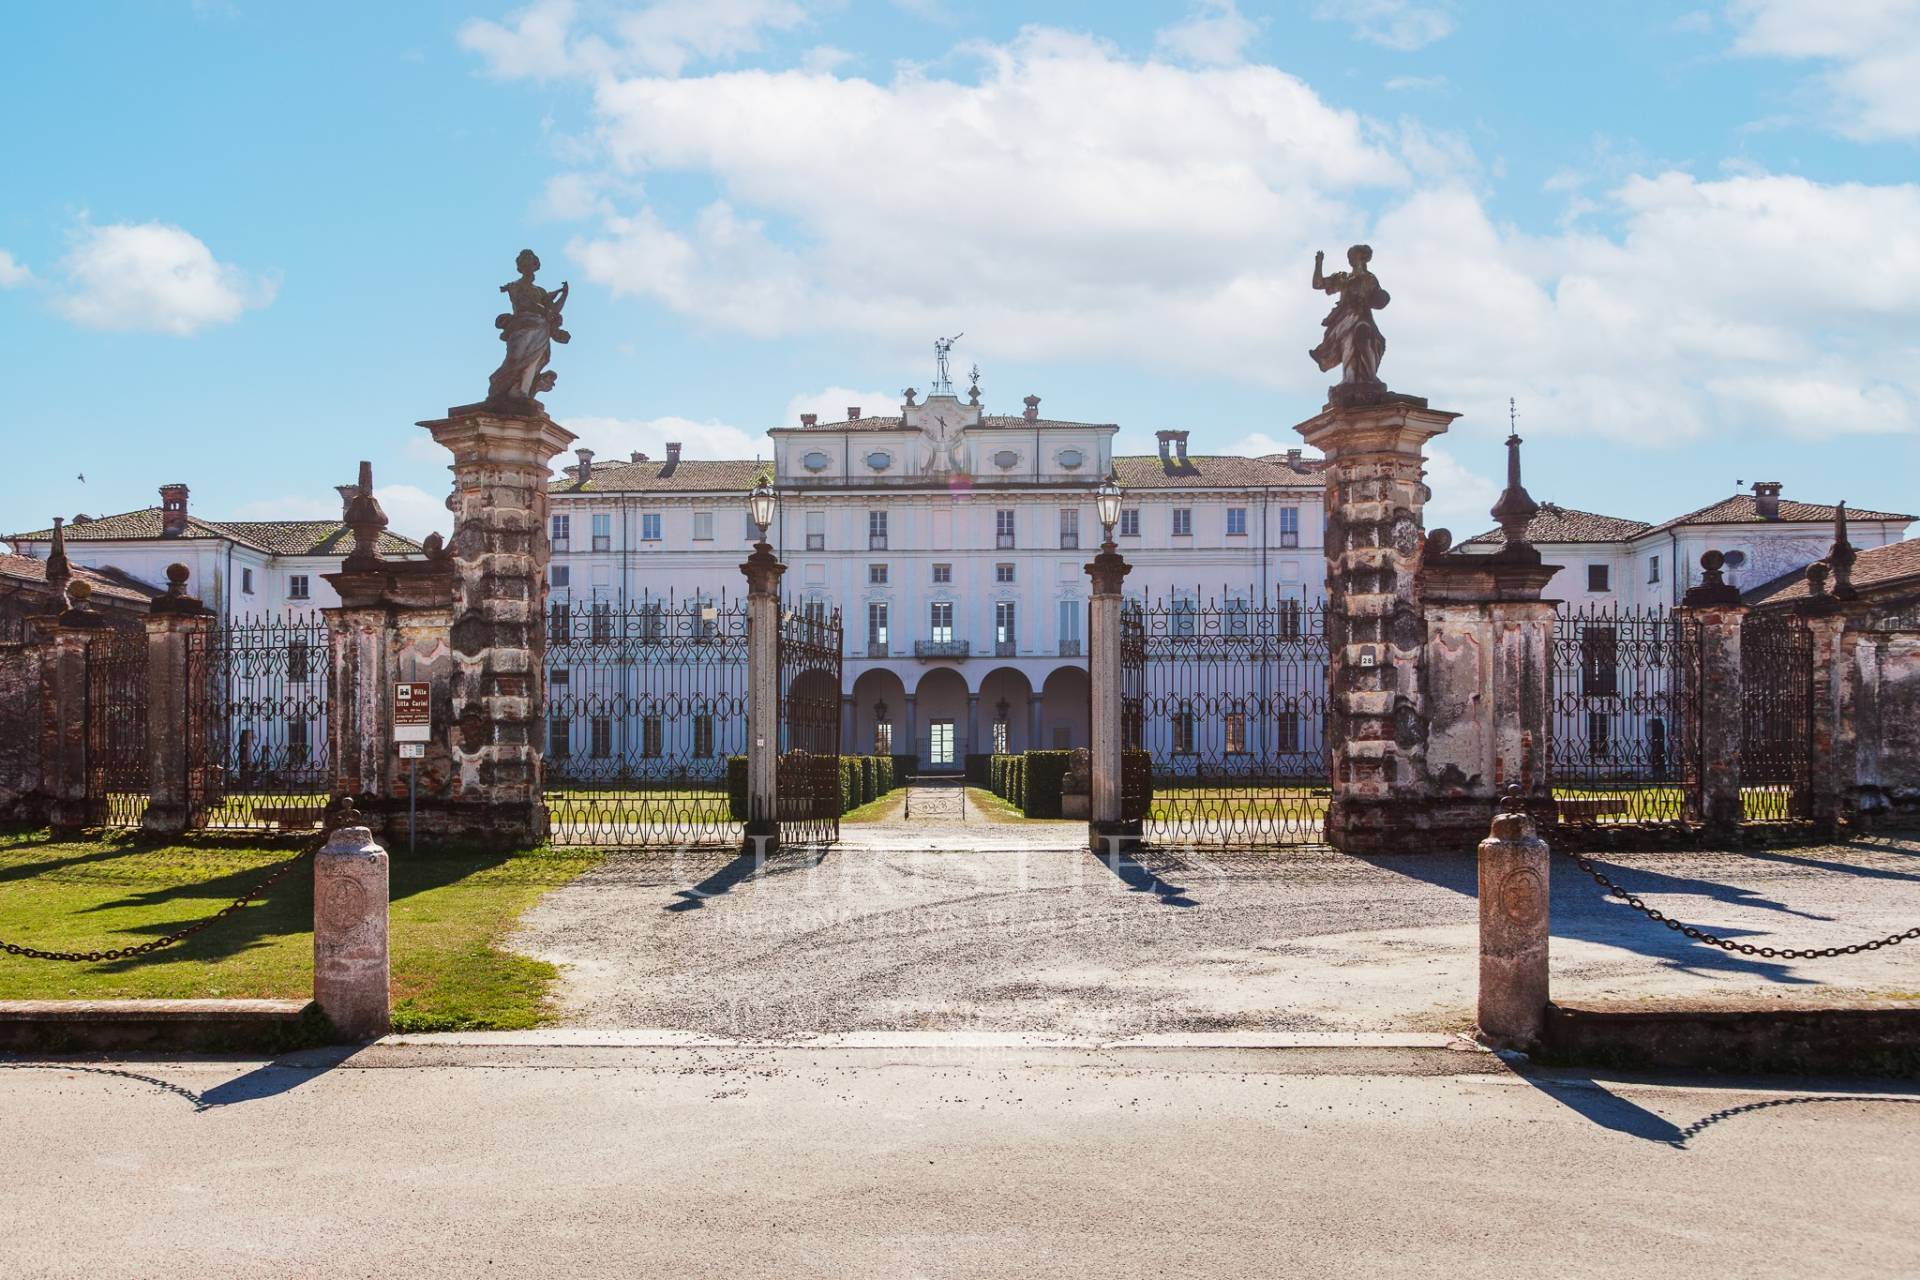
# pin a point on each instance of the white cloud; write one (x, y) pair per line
(1871, 49)
(826, 59)
(1214, 34)
(1461, 496)
(832, 404)
(621, 437)
(13, 272)
(410, 509)
(1415, 84)
(1396, 24)
(543, 41)
(156, 278)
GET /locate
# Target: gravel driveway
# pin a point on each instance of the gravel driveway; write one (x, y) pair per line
(1009, 928)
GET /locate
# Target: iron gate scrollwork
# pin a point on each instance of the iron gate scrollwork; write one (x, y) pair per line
(1622, 740)
(808, 770)
(258, 753)
(1228, 700)
(646, 703)
(119, 768)
(1776, 718)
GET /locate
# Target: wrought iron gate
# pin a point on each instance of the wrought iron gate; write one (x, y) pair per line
(1620, 726)
(1228, 701)
(258, 756)
(808, 778)
(1776, 718)
(646, 702)
(119, 769)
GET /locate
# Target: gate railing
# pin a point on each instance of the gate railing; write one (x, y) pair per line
(257, 707)
(808, 770)
(646, 701)
(119, 773)
(1619, 721)
(1776, 718)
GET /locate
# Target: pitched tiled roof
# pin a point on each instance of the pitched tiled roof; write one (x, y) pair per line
(1894, 565)
(1741, 509)
(1218, 471)
(278, 537)
(689, 475)
(1555, 523)
(106, 583)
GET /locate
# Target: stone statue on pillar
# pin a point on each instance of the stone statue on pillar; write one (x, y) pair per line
(529, 330)
(1353, 340)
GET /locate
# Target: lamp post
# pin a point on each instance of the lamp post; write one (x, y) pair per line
(763, 571)
(1107, 833)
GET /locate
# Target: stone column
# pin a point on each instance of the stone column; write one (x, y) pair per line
(1710, 761)
(350, 964)
(173, 620)
(1036, 712)
(1514, 929)
(1377, 717)
(849, 721)
(1832, 764)
(973, 729)
(64, 761)
(499, 559)
(763, 571)
(913, 734)
(1106, 829)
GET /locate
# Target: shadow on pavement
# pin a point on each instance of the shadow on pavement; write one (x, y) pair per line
(267, 1080)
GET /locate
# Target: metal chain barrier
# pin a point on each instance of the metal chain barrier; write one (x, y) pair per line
(1744, 948)
(145, 948)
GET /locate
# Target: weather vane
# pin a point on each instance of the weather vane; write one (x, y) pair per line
(1513, 417)
(942, 348)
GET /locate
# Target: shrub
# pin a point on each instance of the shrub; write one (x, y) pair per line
(1136, 785)
(883, 774)
(977, 769)
(737, 787)
(849, 783)
(1042, 772)
(904, 767)
(1017, 782)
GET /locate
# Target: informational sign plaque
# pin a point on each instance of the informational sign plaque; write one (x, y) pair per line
(412, 711)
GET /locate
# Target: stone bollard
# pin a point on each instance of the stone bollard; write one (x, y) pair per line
(1513, 930)
(350, 967)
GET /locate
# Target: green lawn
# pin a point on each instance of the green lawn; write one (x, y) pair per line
(450, 914)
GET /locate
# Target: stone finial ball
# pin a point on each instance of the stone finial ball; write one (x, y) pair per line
(1712, 560)
(78, 590)
(176, 575)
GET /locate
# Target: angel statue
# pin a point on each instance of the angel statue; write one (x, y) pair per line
(1353, 340)
(529, 330)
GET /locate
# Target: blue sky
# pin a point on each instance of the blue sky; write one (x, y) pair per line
(244, 248)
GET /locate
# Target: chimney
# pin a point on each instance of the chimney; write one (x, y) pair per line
(1766, 499)
(1293, 459)
(673, 458)
(1166, 441)
(636, 456)
(1033, 408)
(809, 419)
(584, 471)
(173, 510)
(853, 413)
(1180, 450)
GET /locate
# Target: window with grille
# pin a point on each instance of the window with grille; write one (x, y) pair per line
(1003, 573)
(1290, 619)
(940, 629)
(1003, 631)
(877, 626)
(1070, 614)
(1069, 528)
(560, 737)
(1599, 662)
(600, 738)
(1182, 522)
(1003, 528)
(1130, 522)
(650, 736)
(1289, 526)
(297, 586)
(603, 533)
(298, 752)
(1236, 522)
(602, 624)
(883, 739)
(942, 574)
(876, 575)
(1599, 735)
(1286, 731)
(560, 532)
(649, 526)
(816, 531)
(1236, 731)
(1183, 730)
(876, 531)
(1000, 737)
(703, 735)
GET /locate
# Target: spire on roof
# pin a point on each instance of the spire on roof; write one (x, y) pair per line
(1841, 555)
(59, 571)
(1515, 507)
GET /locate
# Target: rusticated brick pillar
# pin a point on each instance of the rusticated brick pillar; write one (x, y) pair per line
(64, 742)
(1377, 718)
(172, 620)
(500, 552)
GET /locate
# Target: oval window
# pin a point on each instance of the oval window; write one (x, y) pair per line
(879, 461)
(1071, 458)
(815, 461)
(1005, 459)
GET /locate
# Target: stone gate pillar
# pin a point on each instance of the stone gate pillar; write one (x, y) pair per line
(497, 702)
(763, 570)
(1710, 763)
(64, 759)
(172, 621)
(1106, 827)
(1376, 618)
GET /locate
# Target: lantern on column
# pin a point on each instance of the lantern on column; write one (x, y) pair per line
(760, 507)
(1107, 501)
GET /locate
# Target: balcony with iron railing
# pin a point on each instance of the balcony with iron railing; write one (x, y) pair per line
(1069, 542)
(876, 542)
(929, 649)
(1069, 648)
(1003, 542)
(877, 649)
(1005, 648)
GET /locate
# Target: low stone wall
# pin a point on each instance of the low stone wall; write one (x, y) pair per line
(1880, 1038)
(1883, 673)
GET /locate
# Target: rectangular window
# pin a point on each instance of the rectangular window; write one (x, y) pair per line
(752, 531)
(1290, 619)
(650, 737)
(1003, 631)
(297, 749)
(1286, 731)
(1183, 522)
(650, 526)
(1003, 573)
(1003, 529)
(559, 738)
(703, 735)
(1000, 737)
(1130, 522)
(600, 743)
(559, 680)
(1069, 528)
(816, 531)
(877, 628)
(602, 625)
(561, 576)
(1653, 569)
(561, 532)
(1599, 735)
(246, 581)
(883, 739)
(876, 575)
(1598, 578)
(940, 743)
(706, 618)
(1183, 730)
(1236, 726)
(603, 532)
(703, 526)
(1289, 526)
(297, 586)
(1070, 614)
(1599, 662)
(940, 623)
(942, 574)
(298, 664)
(876, 531)
(1236, 522)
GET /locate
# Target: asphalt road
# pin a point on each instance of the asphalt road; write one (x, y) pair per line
(921, 925)
(784, 1163)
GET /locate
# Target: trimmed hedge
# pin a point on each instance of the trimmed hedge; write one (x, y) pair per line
(1042, 773)
(862, 778)
(1136, 785)
(904, 767)
(737, 787)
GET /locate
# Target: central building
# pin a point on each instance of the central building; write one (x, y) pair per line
(953, 541)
